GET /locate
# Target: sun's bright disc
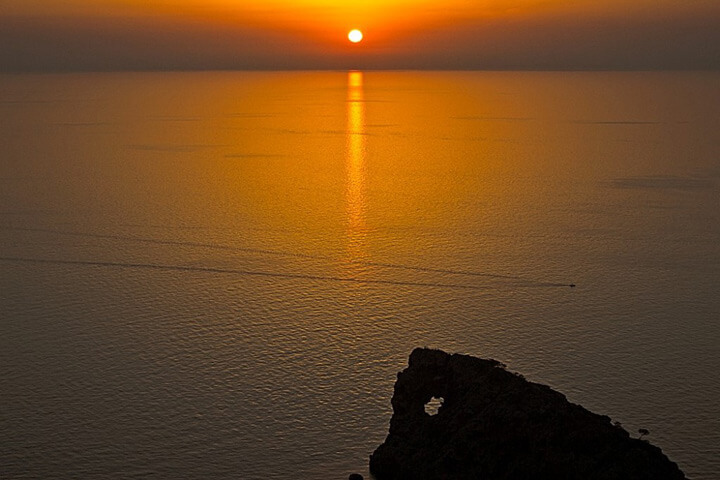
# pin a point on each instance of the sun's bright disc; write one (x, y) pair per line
(355, 36)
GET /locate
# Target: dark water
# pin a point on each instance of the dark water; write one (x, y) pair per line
(218, 275)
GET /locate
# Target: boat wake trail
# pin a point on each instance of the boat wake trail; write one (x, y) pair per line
(518, 281)
(233, 271)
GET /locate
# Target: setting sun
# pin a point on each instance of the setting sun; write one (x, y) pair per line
(355, 36)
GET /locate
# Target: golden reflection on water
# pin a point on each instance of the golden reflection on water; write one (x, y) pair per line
(546, 176)
(355, 167)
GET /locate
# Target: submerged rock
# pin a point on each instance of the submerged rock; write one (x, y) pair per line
(495, 425)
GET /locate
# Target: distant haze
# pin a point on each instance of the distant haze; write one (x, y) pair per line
(79, 35)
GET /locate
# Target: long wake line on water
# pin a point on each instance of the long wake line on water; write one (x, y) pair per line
(526, 281)
(256, 273)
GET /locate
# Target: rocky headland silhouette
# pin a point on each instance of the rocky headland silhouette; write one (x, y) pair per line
(493, 424)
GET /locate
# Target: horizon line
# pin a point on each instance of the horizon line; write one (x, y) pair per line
(569, 69)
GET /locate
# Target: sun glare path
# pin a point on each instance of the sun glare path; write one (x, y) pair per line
(355, 36)
(355, 164)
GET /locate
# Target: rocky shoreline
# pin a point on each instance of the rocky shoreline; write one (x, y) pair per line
(495, 425)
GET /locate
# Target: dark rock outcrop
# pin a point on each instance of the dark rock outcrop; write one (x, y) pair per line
(495, 425)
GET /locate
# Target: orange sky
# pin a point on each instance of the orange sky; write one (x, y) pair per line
(532, 34)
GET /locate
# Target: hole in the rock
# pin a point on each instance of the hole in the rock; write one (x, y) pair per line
(432, 407)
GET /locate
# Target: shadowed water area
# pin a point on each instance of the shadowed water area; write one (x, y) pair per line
(218, 275)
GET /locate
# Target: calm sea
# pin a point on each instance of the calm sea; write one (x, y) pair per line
(218, 275)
